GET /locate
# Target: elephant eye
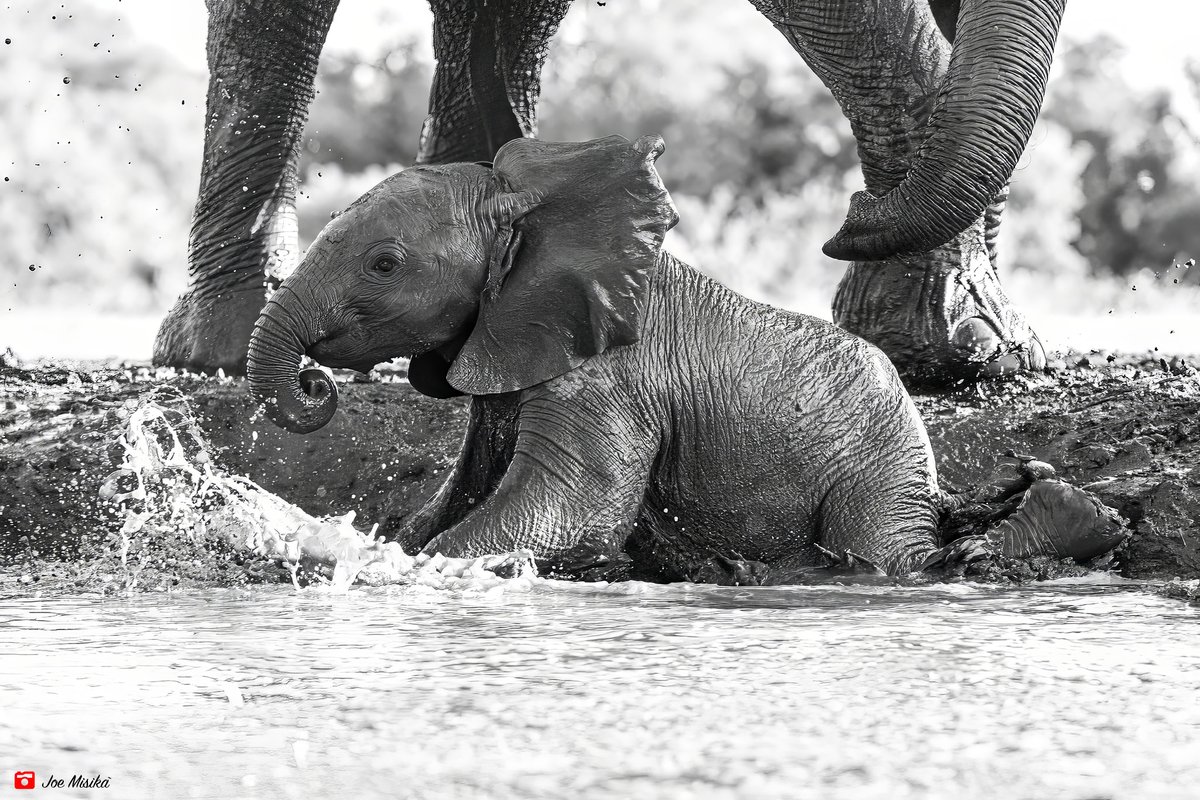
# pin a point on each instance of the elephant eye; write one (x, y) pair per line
(385, 263)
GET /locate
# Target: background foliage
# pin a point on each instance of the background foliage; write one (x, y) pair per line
(100, 172)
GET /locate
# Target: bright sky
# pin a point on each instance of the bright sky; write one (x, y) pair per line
(1161, 34)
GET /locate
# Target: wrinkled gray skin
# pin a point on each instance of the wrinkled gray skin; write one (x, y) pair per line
(729, 432)
(939, 131)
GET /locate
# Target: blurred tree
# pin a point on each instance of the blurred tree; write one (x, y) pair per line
(1045, 199)
(103, 161)
(1135, 182)
(368, 111)
(735, 105)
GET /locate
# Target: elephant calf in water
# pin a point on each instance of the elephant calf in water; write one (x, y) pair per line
(628, 410)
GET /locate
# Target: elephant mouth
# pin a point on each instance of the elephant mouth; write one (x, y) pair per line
(334, 354)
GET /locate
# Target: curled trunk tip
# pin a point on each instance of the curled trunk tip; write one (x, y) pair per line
(306, 410)
(300, 401)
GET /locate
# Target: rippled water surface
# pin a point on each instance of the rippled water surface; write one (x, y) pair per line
(1071, 690)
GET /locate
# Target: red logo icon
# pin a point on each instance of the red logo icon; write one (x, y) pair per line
(23, 780)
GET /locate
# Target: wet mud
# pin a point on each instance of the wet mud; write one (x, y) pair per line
(1126, 429)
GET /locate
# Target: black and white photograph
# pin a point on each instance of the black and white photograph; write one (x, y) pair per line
(599, 399)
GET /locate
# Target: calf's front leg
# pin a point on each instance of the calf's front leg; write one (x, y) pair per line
(571, 493)
(486, 452)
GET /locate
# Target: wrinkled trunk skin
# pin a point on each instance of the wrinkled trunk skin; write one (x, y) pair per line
(941, 317)
(979, 127)
(298, 401)
(262, 57)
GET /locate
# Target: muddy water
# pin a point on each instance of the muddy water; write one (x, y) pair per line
(1072, 690)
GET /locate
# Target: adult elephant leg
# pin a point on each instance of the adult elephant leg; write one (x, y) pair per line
(262, 59)
(489, 64)
(943, 317)
(940, 315)
(485, 92)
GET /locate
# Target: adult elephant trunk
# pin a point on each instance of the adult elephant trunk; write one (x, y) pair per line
(295, 400)
(976, 132)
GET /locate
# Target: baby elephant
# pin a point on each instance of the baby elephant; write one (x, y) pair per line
(631, 417)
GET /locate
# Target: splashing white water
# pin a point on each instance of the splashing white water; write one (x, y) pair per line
(167, 481)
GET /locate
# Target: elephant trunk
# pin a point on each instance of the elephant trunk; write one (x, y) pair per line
(977, 131)
(295, 400)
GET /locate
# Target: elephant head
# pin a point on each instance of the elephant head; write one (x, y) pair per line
(490, 278)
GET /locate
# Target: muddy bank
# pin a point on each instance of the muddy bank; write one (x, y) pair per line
(380, 457)
(1128, 430)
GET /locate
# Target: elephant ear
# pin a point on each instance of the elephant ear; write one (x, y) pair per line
(569, 275)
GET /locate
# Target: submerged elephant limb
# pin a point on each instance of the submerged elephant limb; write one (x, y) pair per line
(1023, 510)
(487, 449)
(660, 419)
(1043, 520)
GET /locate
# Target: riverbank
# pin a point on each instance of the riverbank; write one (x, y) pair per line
(1125, 428)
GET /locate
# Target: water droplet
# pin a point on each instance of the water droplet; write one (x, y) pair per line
(66, 79)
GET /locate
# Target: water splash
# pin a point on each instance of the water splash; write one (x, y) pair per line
(168, 483)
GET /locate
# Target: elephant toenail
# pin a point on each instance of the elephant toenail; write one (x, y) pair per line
(1005, 365)
(976, 336)
(1037, 354)
(651, 146)
(1031, 357)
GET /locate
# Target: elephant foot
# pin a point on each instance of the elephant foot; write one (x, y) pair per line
(942, 318)
(1043, 518)
(958, 554)
(730, 572)
(206, 333)
(849, 563)
(589, 562)
(516, 564)
(1054, 518)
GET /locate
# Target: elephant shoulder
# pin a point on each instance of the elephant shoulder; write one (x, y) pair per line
(602, 375)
